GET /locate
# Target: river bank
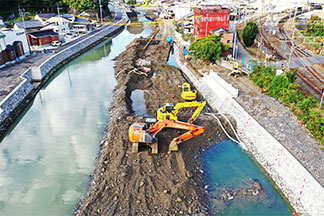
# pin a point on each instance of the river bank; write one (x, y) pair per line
(37, 75)
(164, 184)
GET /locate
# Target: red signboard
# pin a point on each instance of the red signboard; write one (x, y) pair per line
(208, 20)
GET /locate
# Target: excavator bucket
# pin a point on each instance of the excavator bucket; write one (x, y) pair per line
(154, 147)
(135, 147)
(173, 145)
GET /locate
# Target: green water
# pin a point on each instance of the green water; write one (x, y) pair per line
(226, 165)
(47, 157)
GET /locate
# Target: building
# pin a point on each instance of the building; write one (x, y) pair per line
(209, 18)
(43, 18)
(81, 25)
(227, 39)
(30, 25)
(43, 37)
(13, 46)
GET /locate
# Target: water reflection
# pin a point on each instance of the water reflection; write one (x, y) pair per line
(136, 26)
(45, 161)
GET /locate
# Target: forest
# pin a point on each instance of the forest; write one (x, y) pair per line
(9, 9)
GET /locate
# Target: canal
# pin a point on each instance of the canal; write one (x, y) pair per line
(47, 156)
(234, 182)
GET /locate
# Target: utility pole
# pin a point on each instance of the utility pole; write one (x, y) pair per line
(321, 98)
(22, 17)
(60, 22)
(292, 40)
(206, 25)
(100, 10)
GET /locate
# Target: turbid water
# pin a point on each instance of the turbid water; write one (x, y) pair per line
(226, 165)
(48, 155)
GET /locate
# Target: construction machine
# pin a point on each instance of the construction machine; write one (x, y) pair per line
(236, 70)
(187, 93)
(170, 111)
(146, 133)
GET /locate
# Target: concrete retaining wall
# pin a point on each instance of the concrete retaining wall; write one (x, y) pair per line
(304, 193)
(9, 106)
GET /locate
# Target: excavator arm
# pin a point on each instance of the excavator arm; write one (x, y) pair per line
(200, 106)
(193, 131)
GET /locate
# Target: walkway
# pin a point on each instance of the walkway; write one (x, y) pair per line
(10, 75)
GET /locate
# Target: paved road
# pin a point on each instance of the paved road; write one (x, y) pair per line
(10, 75)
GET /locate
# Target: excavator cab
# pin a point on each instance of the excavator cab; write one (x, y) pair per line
(188, 94)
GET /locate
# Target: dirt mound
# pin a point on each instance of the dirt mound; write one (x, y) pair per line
(146, 184)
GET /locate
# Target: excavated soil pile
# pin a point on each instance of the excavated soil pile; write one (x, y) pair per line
(145, 184)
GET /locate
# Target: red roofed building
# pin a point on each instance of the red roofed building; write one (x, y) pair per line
(209, 18)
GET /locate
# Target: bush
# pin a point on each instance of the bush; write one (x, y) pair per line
(207, 48)
(285, 89)
(249, 33)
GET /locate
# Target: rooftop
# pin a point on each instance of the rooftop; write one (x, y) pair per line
(43, 33)
(46, 15)
(30, 24)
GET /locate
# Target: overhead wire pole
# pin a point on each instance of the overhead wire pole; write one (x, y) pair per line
(100, 11)
(292, 40)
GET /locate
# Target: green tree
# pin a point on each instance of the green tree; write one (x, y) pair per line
(147, 2)
(82, 5)
(249, 33)
(132, 2)
(207, 48)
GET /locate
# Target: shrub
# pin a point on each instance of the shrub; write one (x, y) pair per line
(249, 33)
(285, 89)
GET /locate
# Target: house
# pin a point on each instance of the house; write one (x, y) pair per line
(30, 25)
(59, 24)
(43, 37)
(227, 39)
(188, 28)
(181, 10)
(219, 31)
(13, 45)
(208, 18)
(81, 25)
(43, 18)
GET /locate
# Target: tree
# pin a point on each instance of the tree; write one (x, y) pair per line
(132, 2)
(249, 33)
(207, 48)
(82, 5)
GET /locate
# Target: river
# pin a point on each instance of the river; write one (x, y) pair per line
(47, 156)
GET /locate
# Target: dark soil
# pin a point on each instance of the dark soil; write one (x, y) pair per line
(145, 184)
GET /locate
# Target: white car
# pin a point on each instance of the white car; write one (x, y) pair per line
(70, 35)
(56, 43)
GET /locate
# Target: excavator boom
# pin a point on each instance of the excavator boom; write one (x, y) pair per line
(193, 131)
(170, 111)
(138, 134)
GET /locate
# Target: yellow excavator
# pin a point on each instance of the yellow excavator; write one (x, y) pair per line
(236, 70)
(170, 111)
(187, 93)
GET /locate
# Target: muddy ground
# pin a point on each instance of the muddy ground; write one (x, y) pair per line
(144, 184)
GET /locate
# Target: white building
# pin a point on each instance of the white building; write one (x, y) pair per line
(14, 39)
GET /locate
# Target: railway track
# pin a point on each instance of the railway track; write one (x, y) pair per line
(313, 79)
(316, 80)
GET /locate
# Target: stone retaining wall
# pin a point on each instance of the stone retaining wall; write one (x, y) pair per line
(304, 193)
(13, 104)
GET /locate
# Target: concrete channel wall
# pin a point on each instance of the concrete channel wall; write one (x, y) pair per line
(304, 193)
(10, 105)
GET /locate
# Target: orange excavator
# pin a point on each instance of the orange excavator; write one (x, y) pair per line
(146, 133)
